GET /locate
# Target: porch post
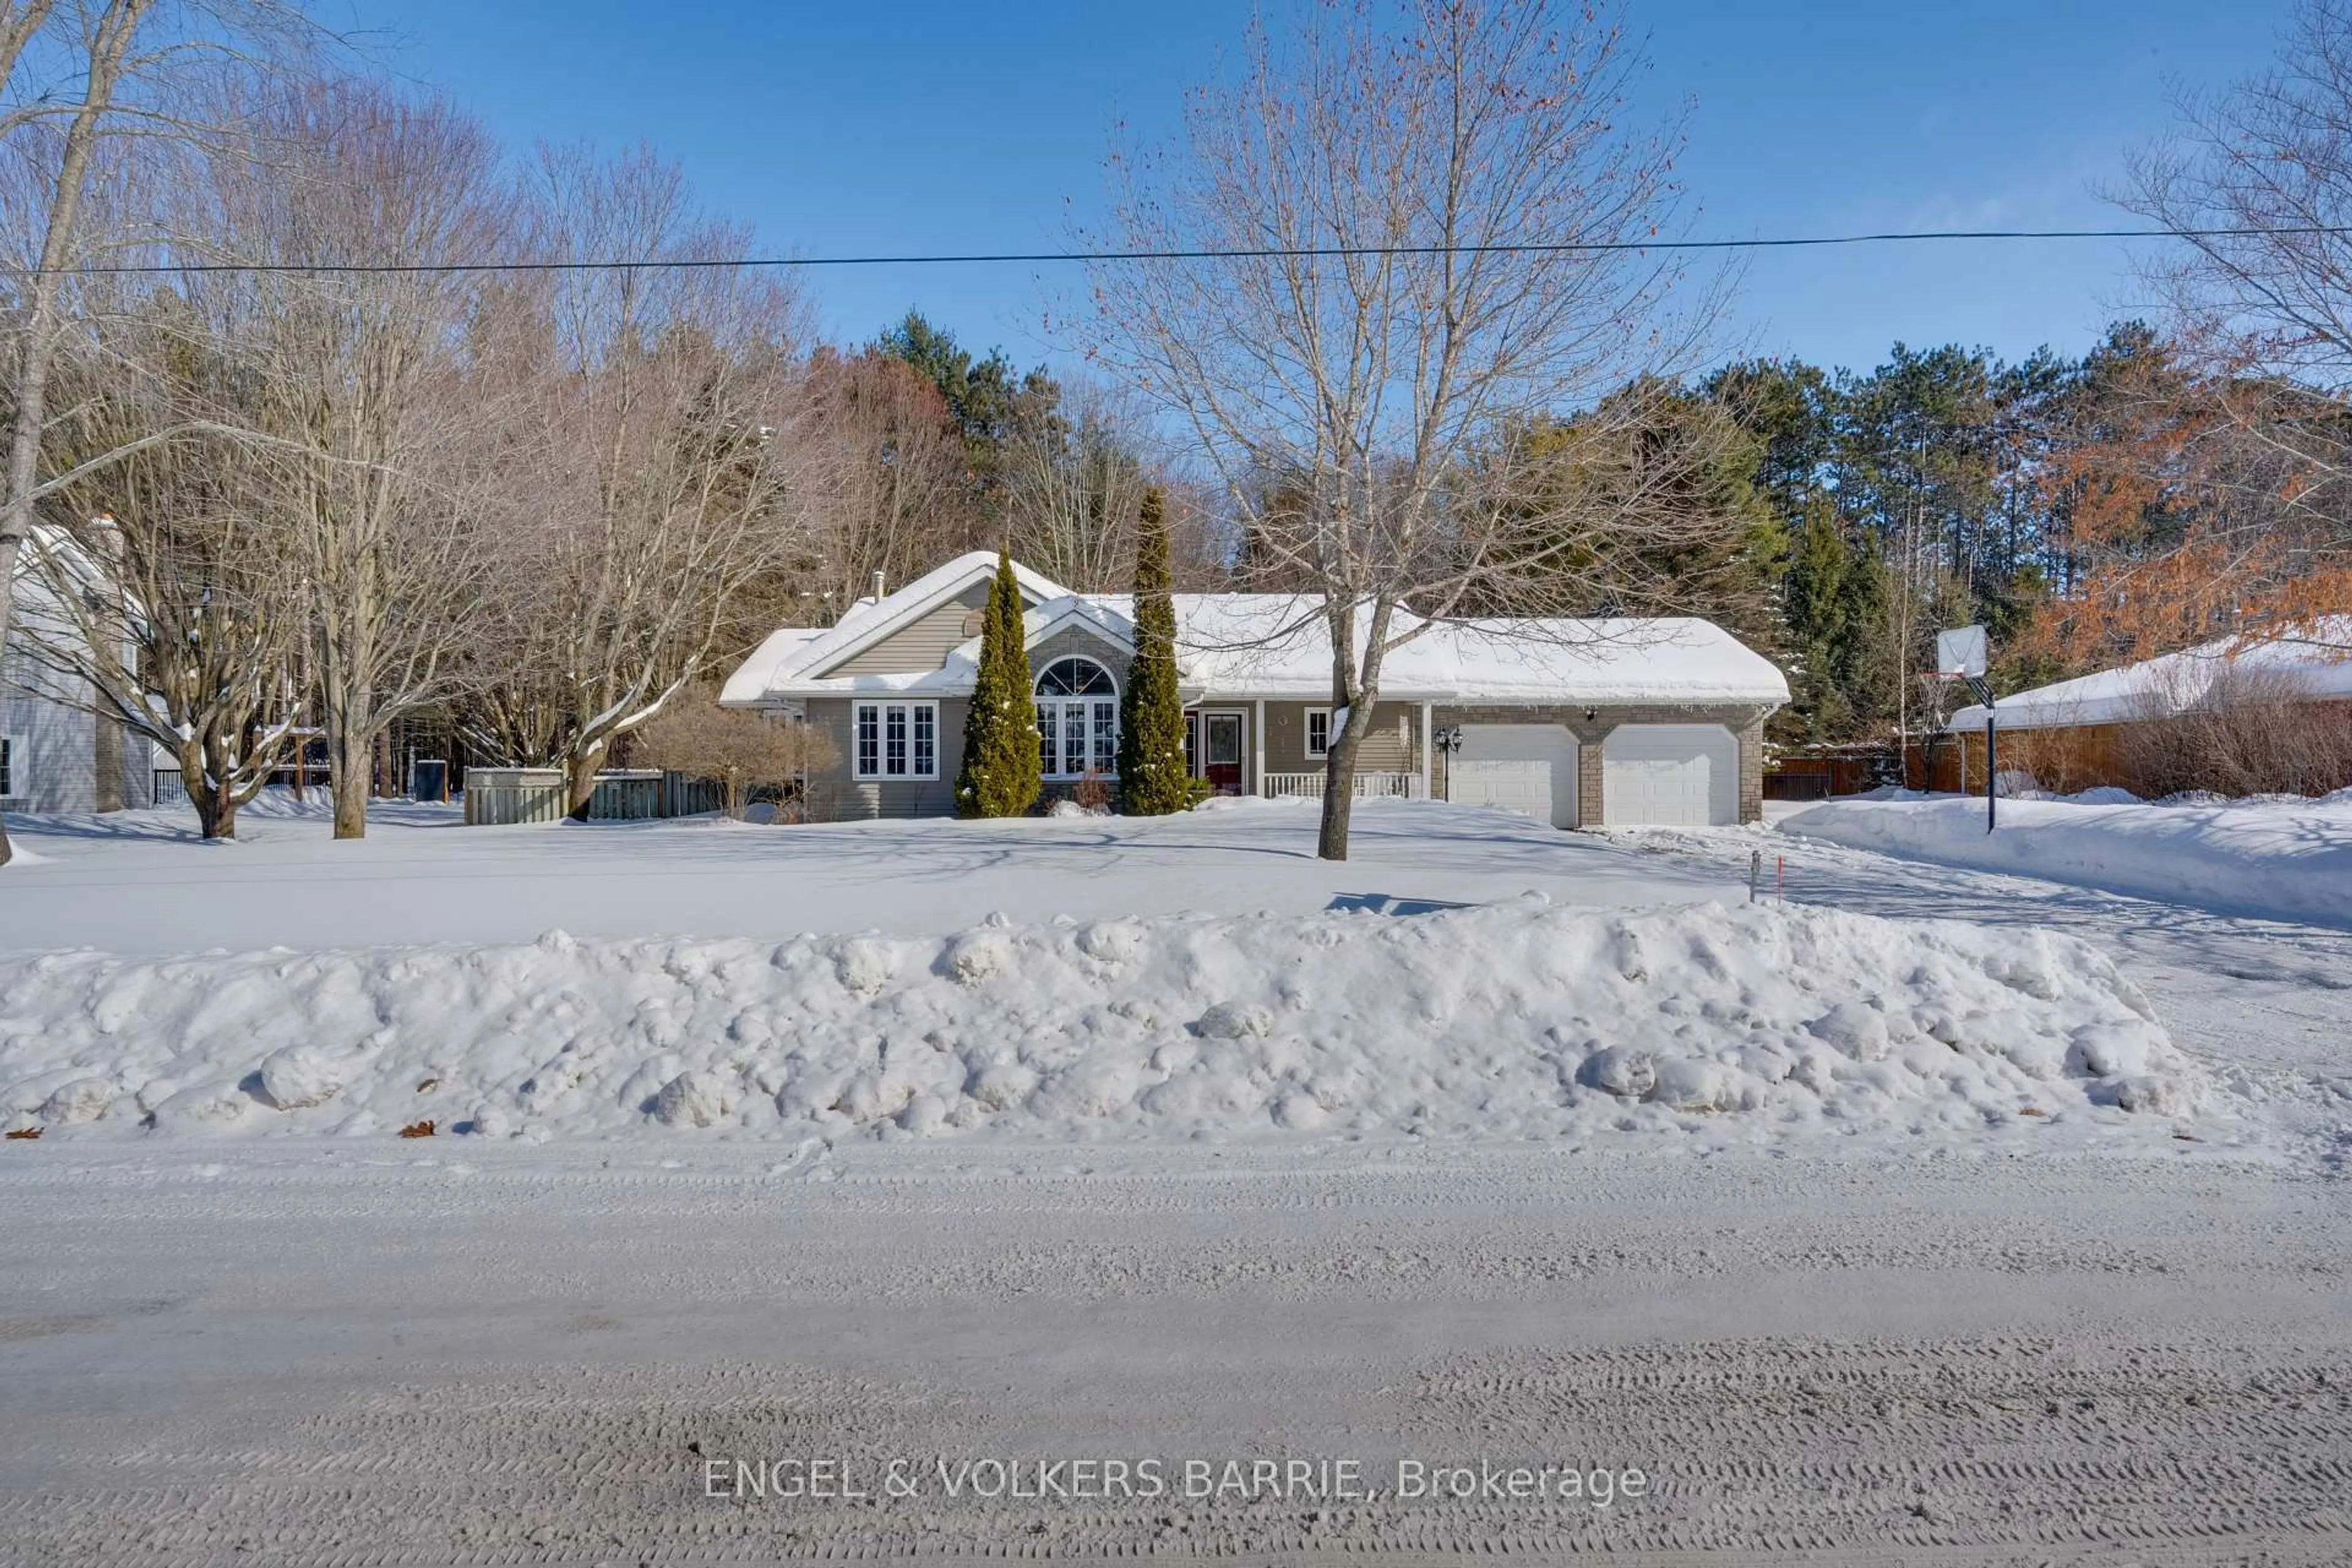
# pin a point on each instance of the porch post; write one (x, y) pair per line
(1257, 749)
(1424, 751)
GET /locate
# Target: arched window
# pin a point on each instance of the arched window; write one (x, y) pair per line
(1077, 719)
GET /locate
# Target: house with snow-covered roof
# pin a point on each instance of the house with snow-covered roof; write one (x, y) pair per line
(1578, 722)
(2120, 727)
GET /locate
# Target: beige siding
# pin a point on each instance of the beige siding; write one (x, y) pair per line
(1391, 745)
(835, 795)
(925, 644)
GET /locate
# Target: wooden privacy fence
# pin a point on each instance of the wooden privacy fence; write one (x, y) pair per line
(1950, 762)
(508, 797)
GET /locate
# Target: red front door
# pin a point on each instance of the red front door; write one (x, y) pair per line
(1221, 751)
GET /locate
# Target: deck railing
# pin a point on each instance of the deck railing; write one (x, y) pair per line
(1369, 786)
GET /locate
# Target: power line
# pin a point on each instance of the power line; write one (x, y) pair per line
(1266, 253)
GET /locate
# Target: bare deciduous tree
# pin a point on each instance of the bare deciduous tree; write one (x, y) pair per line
(132, 60)
(655, 462)
(165, 553)
(889, 487)
(1359, 377)
(2257, 183)
(1073, 480)
(373, 456)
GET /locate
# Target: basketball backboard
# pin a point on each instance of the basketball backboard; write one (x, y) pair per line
(1960, 651)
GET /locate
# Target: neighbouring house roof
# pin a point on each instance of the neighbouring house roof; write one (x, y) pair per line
(1277, 645)
(2314, 660)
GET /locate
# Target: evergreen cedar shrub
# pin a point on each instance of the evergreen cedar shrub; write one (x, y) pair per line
(1152, 777)
(1000, 775)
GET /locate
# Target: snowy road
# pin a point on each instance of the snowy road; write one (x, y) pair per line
(2005, 1360)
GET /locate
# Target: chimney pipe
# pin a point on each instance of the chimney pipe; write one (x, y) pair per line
(878, 587)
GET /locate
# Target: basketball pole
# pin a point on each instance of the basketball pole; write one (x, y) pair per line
(1982, 690)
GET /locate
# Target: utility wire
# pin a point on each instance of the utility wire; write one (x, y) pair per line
(1038, 257)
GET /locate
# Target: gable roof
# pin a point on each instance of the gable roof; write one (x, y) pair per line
(799, 654)
(1278, 646)
(2177, 682)
(1108, 618)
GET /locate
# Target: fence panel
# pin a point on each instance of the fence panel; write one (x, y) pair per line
(682, 795)
(626, 795)
(507, 797)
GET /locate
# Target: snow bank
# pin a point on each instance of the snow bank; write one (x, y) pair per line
(2281, 861)
(1514, 1020)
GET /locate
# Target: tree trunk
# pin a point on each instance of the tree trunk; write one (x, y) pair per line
(1339, 784)
(350, 759)
(215, 808)
(106, 762)
(580, 780)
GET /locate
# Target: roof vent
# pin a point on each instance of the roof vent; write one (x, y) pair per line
(878, 587)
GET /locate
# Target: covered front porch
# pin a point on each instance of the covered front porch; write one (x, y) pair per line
(1278, 750)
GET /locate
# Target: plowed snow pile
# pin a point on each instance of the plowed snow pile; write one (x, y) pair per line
(1513, 1020)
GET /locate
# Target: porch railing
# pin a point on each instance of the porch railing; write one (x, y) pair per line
(1369, 786)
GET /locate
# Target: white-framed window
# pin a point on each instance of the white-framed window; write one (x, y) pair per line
(1077, 719)
(1318, 733)
(895, 741)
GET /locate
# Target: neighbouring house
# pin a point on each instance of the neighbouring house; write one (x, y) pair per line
(1578, 723)
(53, 748)
(2244, 714)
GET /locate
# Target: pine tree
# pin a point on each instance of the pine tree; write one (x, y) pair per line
(1816, 604)
(1153, 778)
(1001, 775)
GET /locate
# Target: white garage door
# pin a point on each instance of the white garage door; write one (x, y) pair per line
(1686, 775)
(1527, 768)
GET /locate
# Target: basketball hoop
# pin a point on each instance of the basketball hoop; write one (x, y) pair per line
(1961, 654)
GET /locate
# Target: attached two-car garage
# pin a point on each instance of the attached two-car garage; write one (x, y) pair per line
(1660, 774)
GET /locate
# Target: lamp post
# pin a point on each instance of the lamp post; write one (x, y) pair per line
(1448, 739)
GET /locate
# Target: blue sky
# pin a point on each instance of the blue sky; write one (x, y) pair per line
(924, 125)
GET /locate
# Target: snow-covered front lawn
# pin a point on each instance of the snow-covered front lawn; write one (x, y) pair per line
(2276, 859)
(139, 883)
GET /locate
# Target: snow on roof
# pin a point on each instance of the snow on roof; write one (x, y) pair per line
(2314, 660)
(781, 665)
(1277, 645)
(759, 671)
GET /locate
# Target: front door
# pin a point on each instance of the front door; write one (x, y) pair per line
(1221, 751)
